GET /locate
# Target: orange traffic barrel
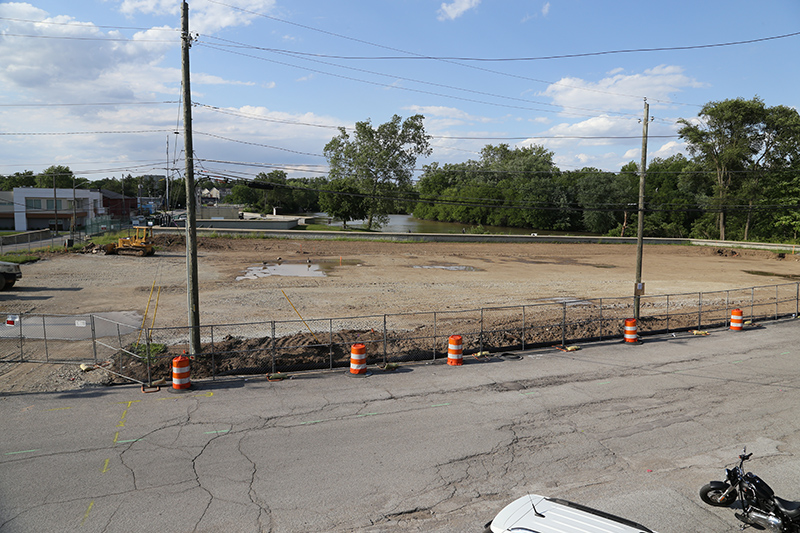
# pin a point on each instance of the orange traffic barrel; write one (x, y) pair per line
(454, 351)
(630, 331)
(736, 320)
(358, 359)
(180, 373)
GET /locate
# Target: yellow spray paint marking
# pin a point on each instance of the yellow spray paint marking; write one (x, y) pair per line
(105, 467)
(58, 408)
(89, 510)
(121, 423)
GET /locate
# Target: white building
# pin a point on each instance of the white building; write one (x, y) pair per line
(36, 208)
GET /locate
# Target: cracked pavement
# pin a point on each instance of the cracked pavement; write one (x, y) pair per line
(633, 430)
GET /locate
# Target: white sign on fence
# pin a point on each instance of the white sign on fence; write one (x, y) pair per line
(12, 320)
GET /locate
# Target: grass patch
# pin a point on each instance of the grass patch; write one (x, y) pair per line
(19, 257)
(325, 227)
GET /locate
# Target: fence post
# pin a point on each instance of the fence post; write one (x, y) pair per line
(330, 343)
(384, 340)
(601, 318)
(776, 302)
(119, 339)
(699, 310)
(564, 324)
(667, 313)
(752, 303)
(213, 356)
(44, 336)
(21, 341)
(272, 344)
(480, 338)
(524, 329)
(148, 354)
(727, 309)
(797, 299)
(434, 335)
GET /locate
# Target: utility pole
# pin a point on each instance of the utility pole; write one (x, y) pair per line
(638, 290)
(192, 287)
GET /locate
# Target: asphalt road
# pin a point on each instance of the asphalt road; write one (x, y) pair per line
(634, 430)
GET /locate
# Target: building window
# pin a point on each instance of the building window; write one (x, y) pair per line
(33, 203)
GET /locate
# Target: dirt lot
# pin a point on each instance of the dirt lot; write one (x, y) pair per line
(356, 278)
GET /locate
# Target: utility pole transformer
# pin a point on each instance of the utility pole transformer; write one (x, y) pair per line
(639, 288)
(192, 287)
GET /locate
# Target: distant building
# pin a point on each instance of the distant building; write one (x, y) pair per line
(36, 208)
(119, 206)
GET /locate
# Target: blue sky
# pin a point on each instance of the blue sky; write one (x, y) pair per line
(273, 79)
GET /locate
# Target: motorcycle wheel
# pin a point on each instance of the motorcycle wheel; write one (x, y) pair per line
(713, 496)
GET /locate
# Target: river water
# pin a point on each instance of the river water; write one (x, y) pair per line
(409, 224)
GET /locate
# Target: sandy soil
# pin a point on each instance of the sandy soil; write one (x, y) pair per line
(358, 278)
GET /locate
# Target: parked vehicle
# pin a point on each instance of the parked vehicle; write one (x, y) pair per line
(11, 273)
(760, 507)
(539, 514)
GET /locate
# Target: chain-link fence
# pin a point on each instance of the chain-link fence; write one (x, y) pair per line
(145, 354)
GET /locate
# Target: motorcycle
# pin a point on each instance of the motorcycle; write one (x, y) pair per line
(761, 509)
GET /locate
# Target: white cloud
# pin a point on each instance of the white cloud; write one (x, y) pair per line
(546, 9)
(621, 92)
(204, 16)
(456, 8)
(667, 149)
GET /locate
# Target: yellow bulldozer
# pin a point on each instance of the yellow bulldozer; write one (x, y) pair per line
(139, 242)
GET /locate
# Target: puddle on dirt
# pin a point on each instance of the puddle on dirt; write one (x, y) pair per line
(307, 270)
(461, 268)
(772, 274)
(318, 269)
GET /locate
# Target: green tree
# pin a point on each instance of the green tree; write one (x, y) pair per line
(380, 161)
(18, 179)
(342, 199)
(244, 195)
(55, 176)
(605, 198)
(741, 142)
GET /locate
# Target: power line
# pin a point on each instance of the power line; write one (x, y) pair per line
(535, 58)
(413, 54)
(91, 104)
(396, 77)
(388, 85)
(109, 39)
(29, 133)
(87, 25)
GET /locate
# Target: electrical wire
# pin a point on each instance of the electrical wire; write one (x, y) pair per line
(454, 62)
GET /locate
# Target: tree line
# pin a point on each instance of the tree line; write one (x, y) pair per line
(739, 181)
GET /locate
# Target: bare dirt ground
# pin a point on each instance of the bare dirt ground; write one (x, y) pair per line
(358, 278)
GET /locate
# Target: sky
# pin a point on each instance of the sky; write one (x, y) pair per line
(95, 85)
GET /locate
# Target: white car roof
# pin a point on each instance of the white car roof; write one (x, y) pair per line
(538, 514)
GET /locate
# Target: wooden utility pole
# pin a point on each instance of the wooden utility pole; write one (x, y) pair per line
(639, 287)
(192, 287)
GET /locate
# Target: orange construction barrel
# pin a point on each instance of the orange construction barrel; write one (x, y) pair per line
(180, 373)
(630, 331)
(358, 359)
(736, 320)
(454, 351)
